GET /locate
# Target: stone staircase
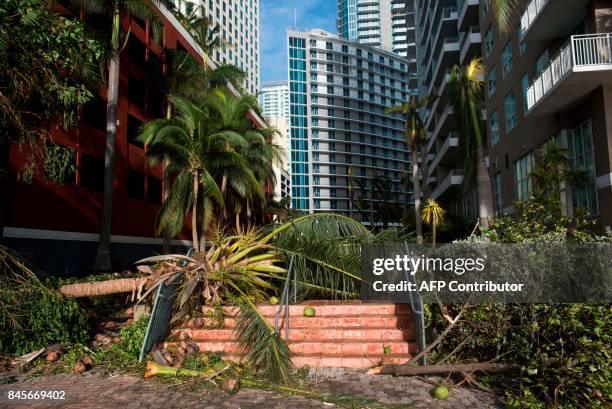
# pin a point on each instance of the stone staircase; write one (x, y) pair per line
(341, 335)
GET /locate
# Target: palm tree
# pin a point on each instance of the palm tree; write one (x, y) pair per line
(414, 136)
(505, 12)
(467, 96)
(144, 10)
(202, 29)
(433, 215)
(186, 78)
(193, 143)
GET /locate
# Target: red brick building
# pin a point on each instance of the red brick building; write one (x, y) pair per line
(57, 226)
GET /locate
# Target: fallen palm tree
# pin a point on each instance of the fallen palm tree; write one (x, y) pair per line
(251, 267)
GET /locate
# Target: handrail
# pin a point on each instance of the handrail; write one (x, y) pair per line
(578, 51)
(285, 299)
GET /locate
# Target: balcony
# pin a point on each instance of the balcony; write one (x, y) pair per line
(454, 178)
(446, 154)
(470, 44)
(582, 64)
(468, 14)
(545, 20)
(445, 122)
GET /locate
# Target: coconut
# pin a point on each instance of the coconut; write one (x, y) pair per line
(87, 360)
(273, 300)
(52, 356)
(441, 392)
(309, 312)
(79, 367)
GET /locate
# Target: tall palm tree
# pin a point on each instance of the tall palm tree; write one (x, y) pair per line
(144, 10)
(433, 215)
(467, 97)
(414, 136)
(185, 77)
(193, 143)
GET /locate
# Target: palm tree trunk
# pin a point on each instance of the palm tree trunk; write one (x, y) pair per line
(237, 220)
(483, 179)
(166, 192)
(92, 289)
(194, 213)
(416, 189)
(103, 256)
(434, 225)
(248, 211)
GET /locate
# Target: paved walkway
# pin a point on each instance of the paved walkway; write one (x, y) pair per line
(92, 391)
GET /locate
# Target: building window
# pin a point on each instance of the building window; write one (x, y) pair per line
(494, 123)
(485, 8)
(507, 58)
(498, 196)
(92, 172)
(580, 142)
(489, 42)
(510, 111)
(522, 45)
(522, 174)
(542, 62)
(491, 82)
(135, 185)
(524, 87)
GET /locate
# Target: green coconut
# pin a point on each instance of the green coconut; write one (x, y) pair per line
(309, 312)
(273, 300)
(387, 350)
(441, 392)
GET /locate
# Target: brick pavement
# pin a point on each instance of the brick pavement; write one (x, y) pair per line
(91, 391)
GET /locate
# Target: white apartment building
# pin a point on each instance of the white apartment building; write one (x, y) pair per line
(238, 21)
(339, 92)
(274, 99)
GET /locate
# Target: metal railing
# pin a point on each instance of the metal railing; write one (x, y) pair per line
(284, 301)
(532, 12)
(588, 50)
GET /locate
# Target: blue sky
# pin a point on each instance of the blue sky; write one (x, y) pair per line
(276, 17)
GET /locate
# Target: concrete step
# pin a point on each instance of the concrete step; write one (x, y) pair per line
(330, 361)
(326, 309)
(311, 334)
(369, 348)
(338, 321)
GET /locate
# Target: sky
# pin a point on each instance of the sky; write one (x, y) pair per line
(276, 17)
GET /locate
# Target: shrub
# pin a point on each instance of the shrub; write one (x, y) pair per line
(32, 316)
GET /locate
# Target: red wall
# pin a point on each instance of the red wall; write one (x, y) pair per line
(73, 207)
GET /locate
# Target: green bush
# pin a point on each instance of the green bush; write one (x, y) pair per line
(33, 316)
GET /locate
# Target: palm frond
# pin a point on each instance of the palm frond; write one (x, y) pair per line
(265, 348)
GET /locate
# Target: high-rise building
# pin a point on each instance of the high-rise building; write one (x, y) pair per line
(275, 105)
(339, 93)
(388, 24)
(447, 34)
(275, 99)
(238, 23)
(551, 77)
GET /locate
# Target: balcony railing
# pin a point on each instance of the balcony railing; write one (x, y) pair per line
(532, 12)
(580, 53)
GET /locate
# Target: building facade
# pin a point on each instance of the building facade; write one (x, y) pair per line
(56, 226)
(551, 78)
(274, 99)
(388, 24)
(342, 139)
(448, 34)
(238, 22)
